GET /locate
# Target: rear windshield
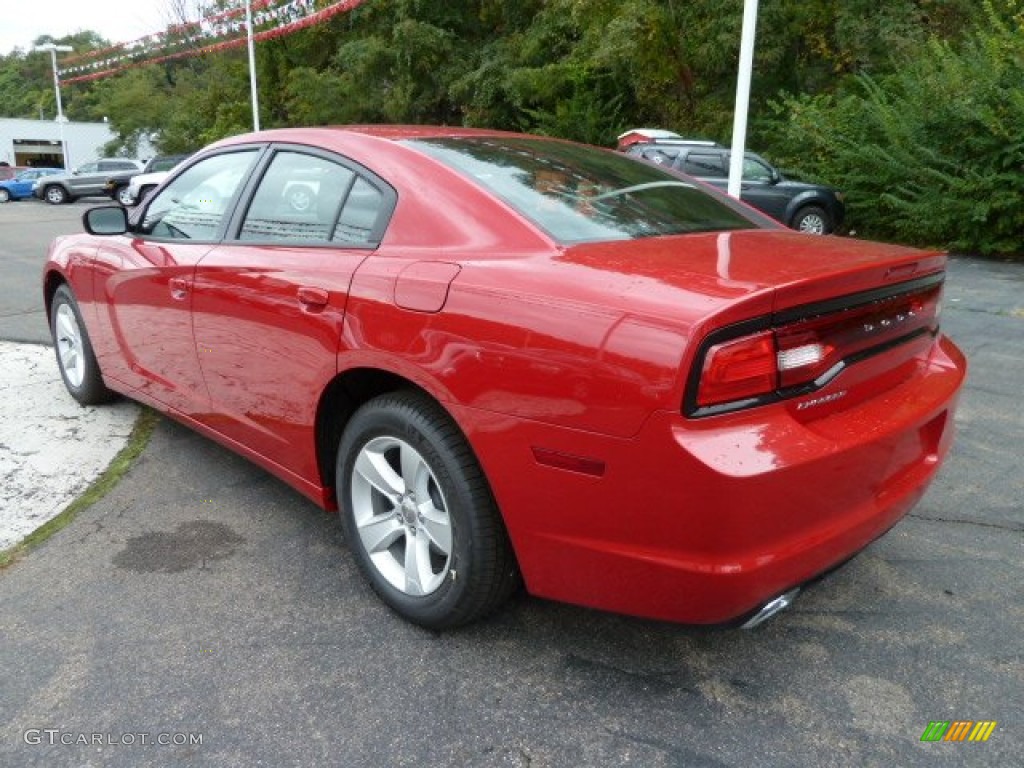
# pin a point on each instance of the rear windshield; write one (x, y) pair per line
(578, 193)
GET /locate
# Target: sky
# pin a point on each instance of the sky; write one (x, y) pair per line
(22, 21)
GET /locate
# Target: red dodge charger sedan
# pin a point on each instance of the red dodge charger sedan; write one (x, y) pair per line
(508, 359)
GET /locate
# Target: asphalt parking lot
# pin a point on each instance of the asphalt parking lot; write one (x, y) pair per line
(204, 604)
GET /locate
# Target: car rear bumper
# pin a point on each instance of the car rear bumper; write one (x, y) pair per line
(704, 521)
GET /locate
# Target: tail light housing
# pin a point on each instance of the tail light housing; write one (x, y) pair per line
(802, 349)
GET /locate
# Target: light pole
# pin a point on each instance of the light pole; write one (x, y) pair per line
(53, 48)
(252, 68)
(739, 124)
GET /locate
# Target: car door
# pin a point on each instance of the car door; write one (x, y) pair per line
(268, 304)
(21, 185)
(760, 189)
(80, 179)
(143, 281)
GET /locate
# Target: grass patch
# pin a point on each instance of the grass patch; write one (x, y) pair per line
(119, 465)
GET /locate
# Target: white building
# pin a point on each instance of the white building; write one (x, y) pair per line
(38, 142)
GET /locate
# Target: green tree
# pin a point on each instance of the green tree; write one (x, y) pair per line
(931, 153)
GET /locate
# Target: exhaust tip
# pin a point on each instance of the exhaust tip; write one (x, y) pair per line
(770, 608)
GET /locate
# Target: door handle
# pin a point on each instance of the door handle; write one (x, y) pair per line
(179, 288)
(313, 298)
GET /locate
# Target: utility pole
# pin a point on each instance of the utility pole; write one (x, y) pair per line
(252, 68)
(53, 49)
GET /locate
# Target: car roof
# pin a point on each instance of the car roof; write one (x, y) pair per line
(681, 142)
(390, 132)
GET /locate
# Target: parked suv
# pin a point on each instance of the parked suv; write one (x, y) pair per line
(811, 208)
(87, 180)
(131, 188)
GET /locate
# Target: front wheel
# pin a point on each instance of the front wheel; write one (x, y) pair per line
(418, 513)
(55, 195)
(5, 195)
(75, 357)
(813, 220)
(124, 196)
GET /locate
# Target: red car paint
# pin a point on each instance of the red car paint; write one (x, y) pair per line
(565, 365)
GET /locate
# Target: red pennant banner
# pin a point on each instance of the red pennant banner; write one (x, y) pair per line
(270, 19)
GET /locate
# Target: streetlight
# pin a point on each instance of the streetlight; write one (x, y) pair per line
(252, 68)
(53, 48)
(739, 124)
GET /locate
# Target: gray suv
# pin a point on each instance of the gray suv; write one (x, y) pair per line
(86, 180)
(811, 208)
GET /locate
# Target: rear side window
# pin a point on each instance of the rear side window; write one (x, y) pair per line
(304, 197)
(707, 164)
(660, 155)
(359, 216)
(298, 198)
(164, 163)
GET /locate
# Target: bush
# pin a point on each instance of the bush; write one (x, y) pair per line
(933, 154)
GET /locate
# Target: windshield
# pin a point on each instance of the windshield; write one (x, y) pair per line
(578, 193)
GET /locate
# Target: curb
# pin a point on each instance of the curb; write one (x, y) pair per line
(51, 448)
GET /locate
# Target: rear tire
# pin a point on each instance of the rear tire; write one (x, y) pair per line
(75, 358)
(5, 196)
(418, 513)
(124, 196)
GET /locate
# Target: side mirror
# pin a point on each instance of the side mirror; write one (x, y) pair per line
(107, 220)
(776, 176)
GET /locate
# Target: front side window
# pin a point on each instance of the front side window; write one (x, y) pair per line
(754, 170)
(88, 168)
(195, 204)
(583, 194)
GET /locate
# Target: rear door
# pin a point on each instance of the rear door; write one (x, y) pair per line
(269, 301)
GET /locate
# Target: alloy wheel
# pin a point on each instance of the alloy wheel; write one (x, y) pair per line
(69, 345)
(401, 516)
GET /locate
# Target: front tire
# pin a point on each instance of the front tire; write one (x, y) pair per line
(813, 220)
(418, 513)
(55, 195)
(5, 195)
(75, 358)
(124, 196)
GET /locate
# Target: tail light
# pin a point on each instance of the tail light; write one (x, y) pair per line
(800, 350)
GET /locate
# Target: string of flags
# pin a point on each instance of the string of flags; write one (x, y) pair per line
(224, 30)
